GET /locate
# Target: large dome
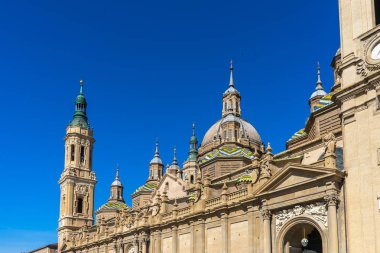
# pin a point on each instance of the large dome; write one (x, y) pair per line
(246, 130)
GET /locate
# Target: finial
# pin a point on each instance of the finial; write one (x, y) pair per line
(156, 152)
(193, 129)
(269, 148)
(175, 156)
(231, 76)
(117, 172)
(319, 82)
(81, 87)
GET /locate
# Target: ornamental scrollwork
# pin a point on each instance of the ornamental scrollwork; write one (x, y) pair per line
(317, 211)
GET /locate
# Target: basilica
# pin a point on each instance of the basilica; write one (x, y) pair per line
(233, 194)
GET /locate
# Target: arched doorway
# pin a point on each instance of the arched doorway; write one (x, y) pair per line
(294, 239)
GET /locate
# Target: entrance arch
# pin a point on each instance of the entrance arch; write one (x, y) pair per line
(290, 236)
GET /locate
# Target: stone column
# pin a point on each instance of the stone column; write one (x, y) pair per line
(143, 245)
(251, 227)
(137, 246)
(192, 237)
(121, 248)
(332, 201)
(157, 246)
(266, 215)
(224, 226)
(175, 239)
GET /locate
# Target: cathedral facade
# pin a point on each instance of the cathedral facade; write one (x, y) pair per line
(232, 194)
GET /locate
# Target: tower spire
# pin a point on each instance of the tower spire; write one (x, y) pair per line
(193, 152)
(117, 172)
(80, 115)
(319, 82)
(175, 156)
(81, 87)
(156, 158)
(231, 75)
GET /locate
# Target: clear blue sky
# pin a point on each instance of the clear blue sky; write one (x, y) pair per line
(151, 68)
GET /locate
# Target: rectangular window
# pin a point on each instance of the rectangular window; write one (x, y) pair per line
(236, 135)
(377, 11)
(230, 134)
(378, 102)
(72, 152)
(80, 205)
(82, 154)
(224, 135)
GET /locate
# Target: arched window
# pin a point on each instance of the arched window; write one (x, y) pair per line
(237, 107)
(80, 205)
(230, 134)
(82, 154)
(72, 152)
(192, 179)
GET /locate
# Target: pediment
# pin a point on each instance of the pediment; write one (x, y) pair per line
(172, 185)
(295, 175)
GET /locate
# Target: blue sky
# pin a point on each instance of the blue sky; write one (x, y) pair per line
(151, 69)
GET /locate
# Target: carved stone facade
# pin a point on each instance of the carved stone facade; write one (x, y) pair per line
(232, 193)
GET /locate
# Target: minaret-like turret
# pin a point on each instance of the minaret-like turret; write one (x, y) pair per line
(77, 182)
(156, 166)
(231, 98)
(318, 93)
(116, 188)
(190, 165)
(173, 168)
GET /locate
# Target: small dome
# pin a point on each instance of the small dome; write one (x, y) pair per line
(156, 160)
(247, 130)
(231, 90)
(116, 183)
(318, 93)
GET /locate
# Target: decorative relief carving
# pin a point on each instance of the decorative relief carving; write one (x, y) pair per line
(81, 189)
(317, 211)
(266, 214)
(332, 199)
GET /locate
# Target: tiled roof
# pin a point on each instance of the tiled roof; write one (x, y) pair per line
(148, 187)
(113, 205)
(228, 152)
(298, 134)
(325, 101)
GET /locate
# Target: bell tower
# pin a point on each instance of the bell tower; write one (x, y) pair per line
(359, 97)
(77, 182)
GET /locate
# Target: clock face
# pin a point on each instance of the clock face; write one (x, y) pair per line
(375, 53)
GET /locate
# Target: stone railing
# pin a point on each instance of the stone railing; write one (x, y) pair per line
(184, 211)
(167, 216)
(213, 202)
(238, 195)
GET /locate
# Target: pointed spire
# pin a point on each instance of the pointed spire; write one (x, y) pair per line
(193, 152)
(175, 156)
(117, 172)
(156, 157)
(231, 75)
(117, 182)
(81, 87)
(319, 82)
(318, 92)
(80, 116)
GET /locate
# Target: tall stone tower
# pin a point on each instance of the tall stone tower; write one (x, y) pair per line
(77, 180)
(359, 95)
